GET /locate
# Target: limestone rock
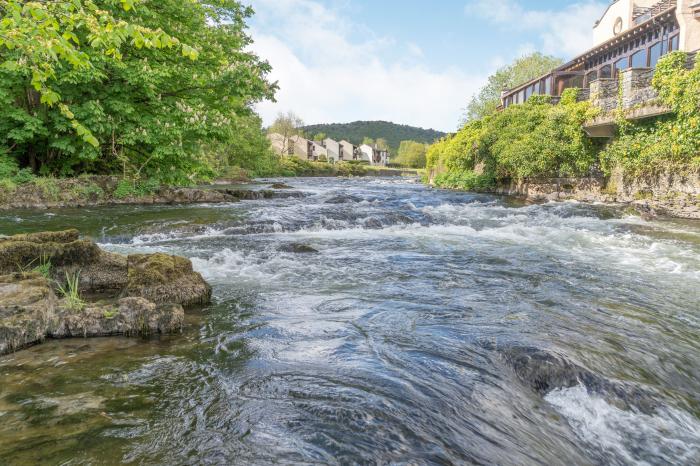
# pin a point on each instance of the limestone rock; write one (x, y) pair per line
(27, 310)
(165, 279)
(130, 316)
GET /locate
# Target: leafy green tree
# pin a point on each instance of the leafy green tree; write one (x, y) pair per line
(411, 154)
(367, 140)
(382, 144)
(137, 86)
(288, 125)
(320, 137)
(522, 70)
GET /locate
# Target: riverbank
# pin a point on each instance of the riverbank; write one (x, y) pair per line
(667, 194)
(96, 190)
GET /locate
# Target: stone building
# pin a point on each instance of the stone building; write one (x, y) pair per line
(630, 35)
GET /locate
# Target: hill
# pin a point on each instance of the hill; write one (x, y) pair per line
(393, 133)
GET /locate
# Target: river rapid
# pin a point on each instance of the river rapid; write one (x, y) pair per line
(431, 327)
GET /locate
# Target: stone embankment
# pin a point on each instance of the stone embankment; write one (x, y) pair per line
(110, 294)
(670, 194)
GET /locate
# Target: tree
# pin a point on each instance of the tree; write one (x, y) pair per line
(289, 126)
(381, 144)
(411, 154)
(368, 141)
(522, 70)
(320, 137)
(137, 86)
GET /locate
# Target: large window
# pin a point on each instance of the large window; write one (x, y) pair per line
(621, 64)
(673, 43)
(639, 59)
(528, 92)
(655, 52)
(591, 76)
(548, 86)
(605, 72)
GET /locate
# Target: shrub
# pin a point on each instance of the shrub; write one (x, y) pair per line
(124, 189)
(49, 187)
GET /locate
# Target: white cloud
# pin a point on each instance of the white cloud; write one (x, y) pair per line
(331, 69)
(565, 33)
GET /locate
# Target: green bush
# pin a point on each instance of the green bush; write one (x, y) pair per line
(49, 187)
(535, 139)
(8, 167)
(466, 180)
(124, 189)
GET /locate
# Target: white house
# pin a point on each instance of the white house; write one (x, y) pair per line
(317, 151)
(333, 149)
(348, 151)
(374, 155)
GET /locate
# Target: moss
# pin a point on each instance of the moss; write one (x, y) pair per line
(65, 236)
(154, 269)
(16, 254)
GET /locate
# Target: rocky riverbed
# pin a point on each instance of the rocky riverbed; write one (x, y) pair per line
(59, 285)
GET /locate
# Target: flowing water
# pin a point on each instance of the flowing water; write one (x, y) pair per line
(430, 327)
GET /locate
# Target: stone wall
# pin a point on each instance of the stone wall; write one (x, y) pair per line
(637, 88)
(604, 94)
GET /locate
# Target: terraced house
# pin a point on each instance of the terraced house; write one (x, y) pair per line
(628, 41)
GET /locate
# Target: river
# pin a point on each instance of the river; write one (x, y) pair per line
(430, 327)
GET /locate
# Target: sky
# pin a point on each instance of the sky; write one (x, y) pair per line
(413, 62)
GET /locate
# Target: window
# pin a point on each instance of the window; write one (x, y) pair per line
(621, 64)
(591, 76)
(605, 72)
(548, 86)
(535, 89)
(639, 59)
(528, 92)
(654, 54)
(522, 95)
(673, 43)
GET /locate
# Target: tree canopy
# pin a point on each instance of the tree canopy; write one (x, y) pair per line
(522, 70)
(137, 86)
(411, 154)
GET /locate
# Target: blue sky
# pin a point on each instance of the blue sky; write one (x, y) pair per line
(412, 61)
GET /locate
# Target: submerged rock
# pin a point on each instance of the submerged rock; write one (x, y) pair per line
(545, 372)
(280, 186)
(140, 294)
(298, 248)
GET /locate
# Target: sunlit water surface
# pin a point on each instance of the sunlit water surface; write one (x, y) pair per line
(386, 346)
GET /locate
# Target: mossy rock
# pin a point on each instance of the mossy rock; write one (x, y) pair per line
(17, 254)
(165, 279)
(66, 236)
(27, 310)
(127, 316)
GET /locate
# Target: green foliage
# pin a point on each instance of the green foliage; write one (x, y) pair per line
(669, 142)
(49, 188)
(359, 131)
(535, 139)
(70, 292)
(466, 180)
(508, 77)
(411, 154)
(138, 87)
(44, 266)
(293, 166)
(132, 188)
